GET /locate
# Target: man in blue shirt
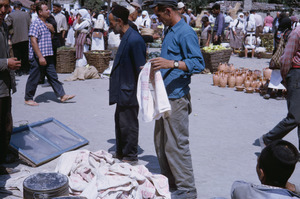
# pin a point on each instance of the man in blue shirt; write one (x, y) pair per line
(180, 58)
(218, 30)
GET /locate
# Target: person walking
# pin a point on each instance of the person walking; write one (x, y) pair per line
(41, 55)
(290, 72)
(218, 30)
(7, 84)
(180, 58)
(19, 22)
(131, 55)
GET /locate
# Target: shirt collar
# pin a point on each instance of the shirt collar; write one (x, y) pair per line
(178, 25)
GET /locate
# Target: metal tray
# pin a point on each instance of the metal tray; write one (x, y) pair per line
(42, 141)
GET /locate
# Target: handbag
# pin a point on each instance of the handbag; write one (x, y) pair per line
(275, 59)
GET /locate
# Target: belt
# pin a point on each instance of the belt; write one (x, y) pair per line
(295, 66)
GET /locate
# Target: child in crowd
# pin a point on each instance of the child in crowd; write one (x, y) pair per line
(206, 32)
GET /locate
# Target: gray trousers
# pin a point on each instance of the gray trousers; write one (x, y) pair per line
(171, 139)
(292, 120)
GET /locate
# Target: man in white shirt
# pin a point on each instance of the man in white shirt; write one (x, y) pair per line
(61, 22)
(259, 22)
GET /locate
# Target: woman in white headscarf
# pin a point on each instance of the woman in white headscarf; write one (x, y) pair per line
(82, 40)
(71, 33)
(97, 37)
(146, 21)
(237, 32)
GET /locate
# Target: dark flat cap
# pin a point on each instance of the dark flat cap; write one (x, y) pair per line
(57, 4)
(163, 2)
(18, 3)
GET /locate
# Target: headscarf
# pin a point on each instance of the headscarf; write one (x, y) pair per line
(239, 17)
(85, 16)
(72, 12)
(100, 17)
(146, 21)
(294, 19)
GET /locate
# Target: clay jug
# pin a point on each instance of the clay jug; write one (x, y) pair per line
(256, 74)
(244, 76)
(239, 80)
(221, 67)
(231, 80)
(253, 84)
(250, 77)
(267, 73)
(247, 82)
(231, 68)
(216, 79)
(227, 68)
(223, 80)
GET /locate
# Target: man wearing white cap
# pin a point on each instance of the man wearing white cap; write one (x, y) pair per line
(181, 9)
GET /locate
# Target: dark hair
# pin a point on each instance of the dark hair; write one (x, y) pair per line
(252, 11)
(162, 8)
(216, 6)
(121, 12)
(278, 162)
(268, 13)
(38, 6)
(204, 19)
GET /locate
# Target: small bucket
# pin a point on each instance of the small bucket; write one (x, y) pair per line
(45, 185)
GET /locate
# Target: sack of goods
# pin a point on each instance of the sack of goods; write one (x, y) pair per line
(147, 31)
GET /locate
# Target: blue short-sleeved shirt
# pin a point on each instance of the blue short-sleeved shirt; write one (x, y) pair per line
(39, 30)
(181, 44)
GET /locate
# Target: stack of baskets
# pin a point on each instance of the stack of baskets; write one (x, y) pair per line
(98, 58)
(212, 59)
(66, 60)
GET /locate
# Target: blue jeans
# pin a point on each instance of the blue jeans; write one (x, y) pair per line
(34, 77)
(292, 119)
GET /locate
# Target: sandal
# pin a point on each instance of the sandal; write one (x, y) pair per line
(66, 98)
(31, 103)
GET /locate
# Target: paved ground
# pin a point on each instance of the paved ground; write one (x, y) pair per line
(224, 125)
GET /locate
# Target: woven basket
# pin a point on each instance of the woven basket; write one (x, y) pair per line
(213, 59)
(65, 60)
(98, 58)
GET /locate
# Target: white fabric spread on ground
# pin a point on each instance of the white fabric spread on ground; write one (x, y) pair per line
(95, 175)
(152, 95)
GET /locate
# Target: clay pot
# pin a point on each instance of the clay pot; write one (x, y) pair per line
(216, 79)
(256, 74)
(231, 80)
(267, 73)
(253, 84)
(244, 76)
(239, 80)
(227, 68)
(247, 82)
(221, 67)
(250, 77)
(223, 80)
(231, 68)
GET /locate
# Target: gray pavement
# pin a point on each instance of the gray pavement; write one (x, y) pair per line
(224, 125)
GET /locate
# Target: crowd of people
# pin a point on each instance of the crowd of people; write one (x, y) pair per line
(42, 33)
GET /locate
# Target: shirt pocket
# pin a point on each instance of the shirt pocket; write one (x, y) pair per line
(175, 51)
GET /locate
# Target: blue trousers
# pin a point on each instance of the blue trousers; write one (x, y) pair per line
(292, 120)
(34, 77)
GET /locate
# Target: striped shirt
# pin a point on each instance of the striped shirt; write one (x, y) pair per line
(39, 30)
(291, 55)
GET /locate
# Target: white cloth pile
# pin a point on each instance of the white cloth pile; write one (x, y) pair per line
(95, 175)
(151, 94)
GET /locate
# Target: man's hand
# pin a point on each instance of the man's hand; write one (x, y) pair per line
(42, 61)
(13, 63)
(50, 27)
(290, 186)
(159, 63)
(216, 38)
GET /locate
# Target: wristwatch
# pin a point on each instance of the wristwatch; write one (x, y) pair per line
(176, 64)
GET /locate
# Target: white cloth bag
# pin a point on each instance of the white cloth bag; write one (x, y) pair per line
(151, 94)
